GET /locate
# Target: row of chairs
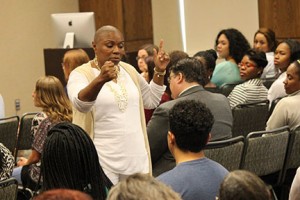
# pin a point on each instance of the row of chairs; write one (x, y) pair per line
(15, 132)
(268, 154)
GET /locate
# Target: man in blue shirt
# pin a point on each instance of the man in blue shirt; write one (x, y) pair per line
(195, 176)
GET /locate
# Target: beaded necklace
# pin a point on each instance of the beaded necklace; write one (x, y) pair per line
(118, 89)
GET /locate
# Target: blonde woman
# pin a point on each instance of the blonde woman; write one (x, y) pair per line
(49, 95)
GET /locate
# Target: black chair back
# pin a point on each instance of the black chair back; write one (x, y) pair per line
(25, 138)
(265, 154)
(9, 131)
(9, 189)
(226, 152)
(249, 117)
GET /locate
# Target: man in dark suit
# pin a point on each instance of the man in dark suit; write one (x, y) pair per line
(186, 82)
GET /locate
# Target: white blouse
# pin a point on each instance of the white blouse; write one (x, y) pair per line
(118, 130)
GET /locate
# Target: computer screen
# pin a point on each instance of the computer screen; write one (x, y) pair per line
(73, 30)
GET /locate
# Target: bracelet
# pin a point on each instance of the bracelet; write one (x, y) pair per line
(159, 73)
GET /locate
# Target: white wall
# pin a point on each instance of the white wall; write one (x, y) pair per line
(204, 19)
(25, 32)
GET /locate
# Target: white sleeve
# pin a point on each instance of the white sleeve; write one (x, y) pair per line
(76, 83)
(151, 93)
(295, 188)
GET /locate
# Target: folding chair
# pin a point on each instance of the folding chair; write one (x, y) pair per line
(226, 88)
(9, 189)
(8, 132)
(249, 117)
(293, 159)
(226, 152)
(265, 153)
(25, 138)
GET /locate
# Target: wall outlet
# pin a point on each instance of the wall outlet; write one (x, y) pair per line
(17, 104)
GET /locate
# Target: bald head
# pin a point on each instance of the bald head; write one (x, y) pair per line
(105, 29)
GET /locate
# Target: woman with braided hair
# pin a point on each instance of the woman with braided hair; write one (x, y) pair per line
(70, 161)
(50, 96)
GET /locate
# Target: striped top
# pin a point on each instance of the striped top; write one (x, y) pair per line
(251, 91)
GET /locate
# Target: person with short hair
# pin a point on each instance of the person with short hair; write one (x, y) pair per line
(242, 184)
(195, 176)
(70, 161)
(186, 82)
(72, 59)
(141, 186)
(251, 67)
(208, 58)
(109, 97)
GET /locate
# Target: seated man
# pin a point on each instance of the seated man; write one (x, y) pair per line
(195, 176)
(186, 82)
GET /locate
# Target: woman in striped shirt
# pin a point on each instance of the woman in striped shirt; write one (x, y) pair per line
(251, 68)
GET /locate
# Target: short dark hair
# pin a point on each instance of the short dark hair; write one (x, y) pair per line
(297, 65)
(238, 44)
(210, 57)
(190, 122)
(192, 69)
(259, 57)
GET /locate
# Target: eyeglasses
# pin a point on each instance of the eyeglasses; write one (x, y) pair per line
(246, 64)
(171, 76)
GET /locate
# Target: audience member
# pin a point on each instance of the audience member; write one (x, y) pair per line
(243, 185)
(148, 75)
(7, 163)
(62, 194)
(284, 56)
(109, 97)
(186, 82)
(251, 68)
(70, 161)
(231, 45)
(286, 112)
(141, 186)
(143, 52)
(195, 176)
(175, 56)
(72, 59)
(2, 107)
(295, 188)
(208, 58)
(49, 95)
(265, 40)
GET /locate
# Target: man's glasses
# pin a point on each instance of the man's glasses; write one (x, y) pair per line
(170, 77)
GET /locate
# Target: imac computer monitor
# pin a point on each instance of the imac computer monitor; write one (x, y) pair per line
(73, 30)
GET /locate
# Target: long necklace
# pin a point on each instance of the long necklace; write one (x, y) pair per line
(120, 93)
